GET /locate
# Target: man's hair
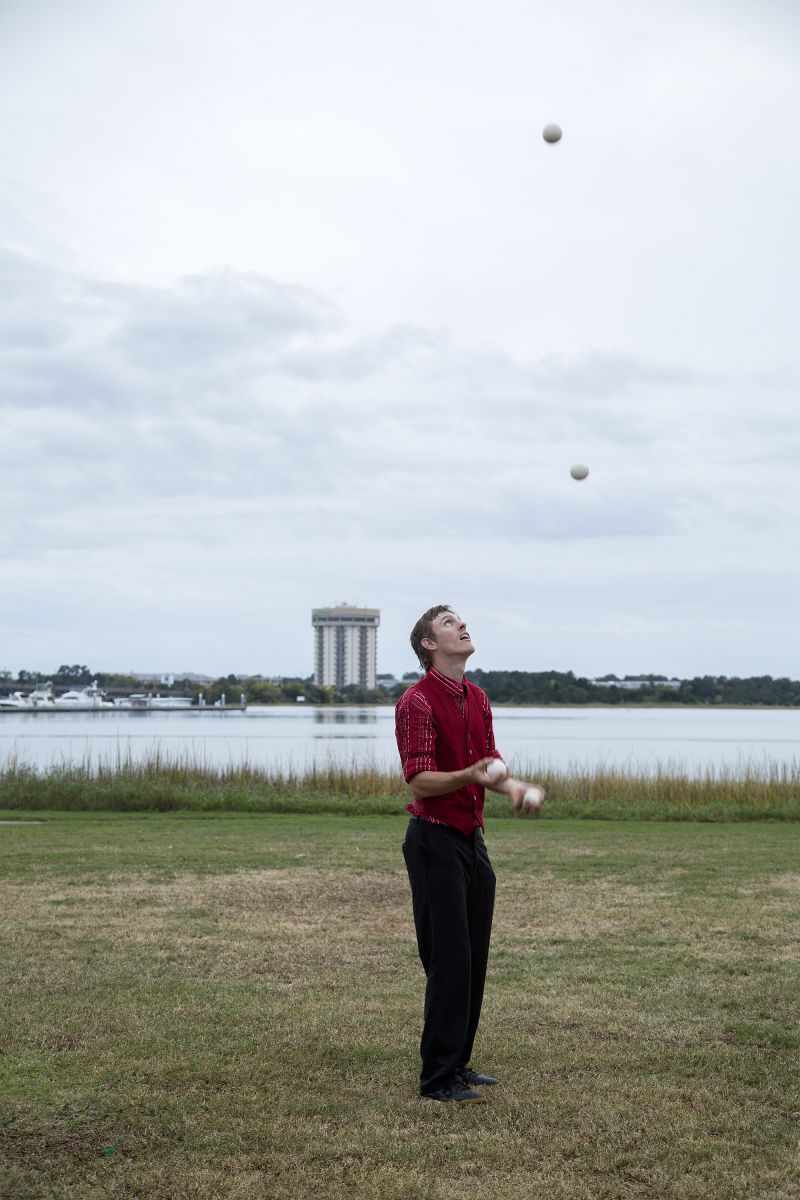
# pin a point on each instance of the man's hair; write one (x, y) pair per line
(423, 630)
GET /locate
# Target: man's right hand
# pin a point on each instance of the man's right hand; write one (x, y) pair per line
(478, 775)
(526, 798)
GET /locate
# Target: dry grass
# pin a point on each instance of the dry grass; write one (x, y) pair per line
(229, 1007)
(769, 791)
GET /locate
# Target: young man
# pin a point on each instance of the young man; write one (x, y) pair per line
(445, 739)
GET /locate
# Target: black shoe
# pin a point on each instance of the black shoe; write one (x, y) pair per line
(455, 1093)
(473, 1079)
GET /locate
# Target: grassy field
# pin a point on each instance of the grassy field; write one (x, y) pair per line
(227, 1006)
(158, 784)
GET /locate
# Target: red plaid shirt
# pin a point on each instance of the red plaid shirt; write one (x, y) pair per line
(417, 733)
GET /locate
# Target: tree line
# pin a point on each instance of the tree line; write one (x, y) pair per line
(564, 687)
(502, 687)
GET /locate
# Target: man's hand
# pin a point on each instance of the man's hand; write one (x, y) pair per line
(526, 798)
(480, 776)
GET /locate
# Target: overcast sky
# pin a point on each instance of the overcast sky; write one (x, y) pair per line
(297, 307)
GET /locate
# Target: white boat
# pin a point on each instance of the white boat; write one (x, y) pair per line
(85, 697)
(89, 699)
(42, 696)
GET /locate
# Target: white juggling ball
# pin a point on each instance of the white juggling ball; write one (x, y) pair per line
(496, 770)
(552, 133)
(532, 799)
(579, 471)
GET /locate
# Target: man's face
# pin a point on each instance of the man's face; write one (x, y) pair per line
(450, 636)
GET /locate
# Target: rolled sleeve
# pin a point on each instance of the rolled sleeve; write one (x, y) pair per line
(416, 734)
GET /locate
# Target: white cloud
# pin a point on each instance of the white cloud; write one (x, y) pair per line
(232, 480)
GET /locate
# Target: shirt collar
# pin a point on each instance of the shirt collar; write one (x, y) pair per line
(455, 689)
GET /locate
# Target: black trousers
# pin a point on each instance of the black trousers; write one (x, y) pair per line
(452, 893)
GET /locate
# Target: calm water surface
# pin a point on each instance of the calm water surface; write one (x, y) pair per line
(299, 736)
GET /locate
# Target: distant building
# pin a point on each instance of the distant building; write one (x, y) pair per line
(636, 685)
(167, 678)
(345, 646)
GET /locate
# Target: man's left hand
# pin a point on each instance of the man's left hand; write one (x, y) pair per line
(521, 798)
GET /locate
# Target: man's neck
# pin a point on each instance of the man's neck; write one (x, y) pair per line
(453, 668)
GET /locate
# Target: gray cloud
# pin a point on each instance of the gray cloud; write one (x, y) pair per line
(197, 389)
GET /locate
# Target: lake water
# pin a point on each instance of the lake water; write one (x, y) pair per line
(298, 736)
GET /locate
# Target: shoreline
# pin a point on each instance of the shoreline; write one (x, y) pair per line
(358, 704)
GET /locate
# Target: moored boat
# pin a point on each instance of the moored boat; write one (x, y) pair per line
(85, 697)
(43, 698)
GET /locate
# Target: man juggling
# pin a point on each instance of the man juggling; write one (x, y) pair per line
(446, 743)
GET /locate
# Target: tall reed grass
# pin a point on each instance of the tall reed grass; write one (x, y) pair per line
(160, 783)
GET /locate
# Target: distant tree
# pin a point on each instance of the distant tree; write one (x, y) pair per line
(263, 691)
(74, 674)
(315, 693)
(292, 688)
(116, 681)
(353, 693)
(502, 687)
(703, 689)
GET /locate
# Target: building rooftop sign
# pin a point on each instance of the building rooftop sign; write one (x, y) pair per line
(345, 612)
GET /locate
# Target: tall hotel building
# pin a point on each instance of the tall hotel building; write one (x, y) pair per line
(345, 645)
